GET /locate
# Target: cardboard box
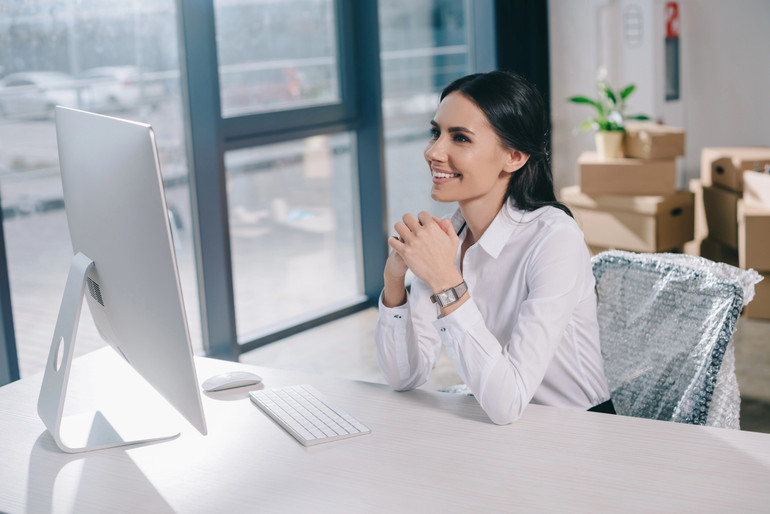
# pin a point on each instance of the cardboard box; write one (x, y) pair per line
(753, 236)
(721, 207)
(700, 229)
(718, 252)
(595, 250)
(635, 223)
(653, 141)
(759, 307)
(626, 176)
(756, 187)
(724, 166)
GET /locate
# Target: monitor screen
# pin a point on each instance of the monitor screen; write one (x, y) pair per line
(118, 218)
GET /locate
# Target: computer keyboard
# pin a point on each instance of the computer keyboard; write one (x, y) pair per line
(307, 415)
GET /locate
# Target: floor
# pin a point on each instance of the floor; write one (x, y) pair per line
(345, 348)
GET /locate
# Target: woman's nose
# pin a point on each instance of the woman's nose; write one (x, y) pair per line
(435, 150)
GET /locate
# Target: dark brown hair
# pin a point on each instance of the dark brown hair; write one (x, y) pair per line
(516, 111)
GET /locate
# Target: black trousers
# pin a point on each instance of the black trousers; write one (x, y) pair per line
(605, 407)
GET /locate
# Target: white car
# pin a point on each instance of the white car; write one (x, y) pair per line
(121, 88)
(34, 94)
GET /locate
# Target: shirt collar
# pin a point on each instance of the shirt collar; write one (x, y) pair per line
(508, 219)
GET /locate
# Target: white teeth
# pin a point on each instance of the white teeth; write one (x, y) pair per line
(437, 174)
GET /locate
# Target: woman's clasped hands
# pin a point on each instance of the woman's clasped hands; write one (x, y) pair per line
(427, 246)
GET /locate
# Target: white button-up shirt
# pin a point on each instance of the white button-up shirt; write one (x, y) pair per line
(528, 332)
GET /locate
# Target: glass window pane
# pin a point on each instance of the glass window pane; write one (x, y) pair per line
(424, 45)
(293, 230)
(117, 59)
(276, 54)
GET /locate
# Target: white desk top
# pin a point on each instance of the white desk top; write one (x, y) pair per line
(428, 452)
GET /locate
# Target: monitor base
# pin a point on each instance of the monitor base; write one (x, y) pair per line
(93, 431)
(90, 431)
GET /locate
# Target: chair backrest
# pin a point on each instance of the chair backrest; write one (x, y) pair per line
(666, 322)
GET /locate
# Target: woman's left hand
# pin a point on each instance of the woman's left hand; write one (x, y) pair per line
(429, 247)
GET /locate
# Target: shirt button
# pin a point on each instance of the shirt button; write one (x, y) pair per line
(397, 316)
(443, 329)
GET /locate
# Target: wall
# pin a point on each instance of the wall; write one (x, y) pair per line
(725, 73)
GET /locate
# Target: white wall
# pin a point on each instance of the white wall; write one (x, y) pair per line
(725, 74)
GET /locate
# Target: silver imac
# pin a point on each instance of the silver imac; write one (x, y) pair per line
(125, 267)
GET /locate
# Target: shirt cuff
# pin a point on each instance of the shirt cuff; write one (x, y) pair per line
(462, 318)
(393, 315)
(466, 319)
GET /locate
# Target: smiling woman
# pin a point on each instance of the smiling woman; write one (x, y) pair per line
(509, 273)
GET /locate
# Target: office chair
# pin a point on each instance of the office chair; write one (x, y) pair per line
(666, 322)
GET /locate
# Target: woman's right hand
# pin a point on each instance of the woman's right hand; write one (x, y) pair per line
(394, 293)
(395, 266)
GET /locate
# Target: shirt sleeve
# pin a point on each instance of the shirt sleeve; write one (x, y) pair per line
(407, 344)
(504, 375)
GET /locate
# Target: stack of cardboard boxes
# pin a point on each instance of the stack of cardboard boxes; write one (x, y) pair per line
(632, 203)
(734, 223)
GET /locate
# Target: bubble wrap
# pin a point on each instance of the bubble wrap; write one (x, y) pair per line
(666, 322)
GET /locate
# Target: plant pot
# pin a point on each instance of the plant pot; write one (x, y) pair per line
(609, 144)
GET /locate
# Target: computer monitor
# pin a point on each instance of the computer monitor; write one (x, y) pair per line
(125, 266)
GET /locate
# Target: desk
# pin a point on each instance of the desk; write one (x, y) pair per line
(428, 452)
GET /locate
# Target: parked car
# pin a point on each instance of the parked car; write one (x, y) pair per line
(121, 88)
(34, 94)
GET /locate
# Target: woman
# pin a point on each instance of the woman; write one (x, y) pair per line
(505, 284)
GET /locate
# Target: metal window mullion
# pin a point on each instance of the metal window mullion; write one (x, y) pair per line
(9, 361)
(370, 145)
(285, 121)
(253, 140)
(205, 160)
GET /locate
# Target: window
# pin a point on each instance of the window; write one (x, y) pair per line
(121, 61)
(291, 164)
(276, 55)
(294, 227)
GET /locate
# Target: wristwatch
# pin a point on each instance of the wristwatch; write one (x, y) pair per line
(450, 296)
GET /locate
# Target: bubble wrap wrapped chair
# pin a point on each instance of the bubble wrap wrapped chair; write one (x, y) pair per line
(666, 322)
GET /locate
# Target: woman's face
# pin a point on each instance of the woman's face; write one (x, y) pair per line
(467, 160)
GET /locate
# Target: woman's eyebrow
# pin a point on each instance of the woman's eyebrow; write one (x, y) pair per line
(454, 129)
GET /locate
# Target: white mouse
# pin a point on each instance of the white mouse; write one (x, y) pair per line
(230, 380)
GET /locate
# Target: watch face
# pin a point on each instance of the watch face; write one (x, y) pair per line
(447, 297)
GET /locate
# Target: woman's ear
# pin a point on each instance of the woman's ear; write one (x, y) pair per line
(516, 159)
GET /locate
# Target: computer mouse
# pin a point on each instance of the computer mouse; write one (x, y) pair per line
(230, 380)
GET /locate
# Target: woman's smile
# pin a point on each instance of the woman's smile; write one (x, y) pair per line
(441, 176)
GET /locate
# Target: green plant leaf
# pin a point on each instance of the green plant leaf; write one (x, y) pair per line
(627, 91)
(587, 124)
(584, 100)
(610, 95)
(610, 107)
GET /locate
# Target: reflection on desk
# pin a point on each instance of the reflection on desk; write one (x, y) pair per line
(428, 451)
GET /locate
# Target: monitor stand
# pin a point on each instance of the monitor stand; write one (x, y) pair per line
(89, 431)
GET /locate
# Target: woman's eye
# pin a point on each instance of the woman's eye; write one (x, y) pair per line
(461, 138)
(434, 133)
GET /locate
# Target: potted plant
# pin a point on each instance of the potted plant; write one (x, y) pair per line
(609, 120)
